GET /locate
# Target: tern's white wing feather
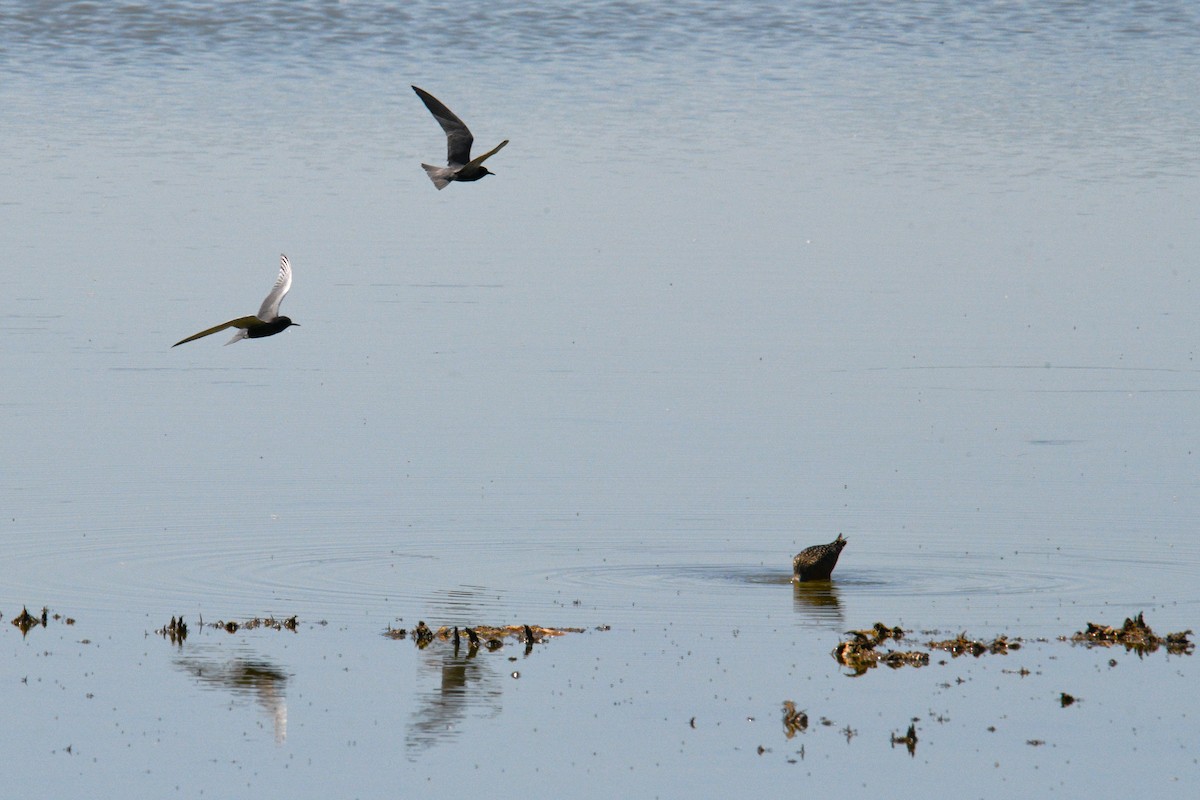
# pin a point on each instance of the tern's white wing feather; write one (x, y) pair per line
(270, 306)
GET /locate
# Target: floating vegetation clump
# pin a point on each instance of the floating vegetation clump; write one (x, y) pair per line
(1135, 635)
(794, 721)
(860, 652)
(176, 630)
(25, 621)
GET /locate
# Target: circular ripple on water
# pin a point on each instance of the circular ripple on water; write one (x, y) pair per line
(270, 571)
(943, 590)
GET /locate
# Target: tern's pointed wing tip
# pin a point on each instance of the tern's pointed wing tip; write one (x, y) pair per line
(283, 283)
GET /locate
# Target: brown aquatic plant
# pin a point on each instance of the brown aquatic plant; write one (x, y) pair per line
(24, 621)
(1135, 635)
(176, 630)
(794, 721)
(877, 634)
(859, 653)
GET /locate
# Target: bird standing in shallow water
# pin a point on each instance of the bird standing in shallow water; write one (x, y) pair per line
(459, 164)
(267, 322)
(816, 563)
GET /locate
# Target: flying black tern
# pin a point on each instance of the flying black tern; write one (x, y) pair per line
(459, 164)
(267, 322)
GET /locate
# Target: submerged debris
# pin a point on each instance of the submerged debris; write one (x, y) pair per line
(961, 645)
(1135, 635)
(905, 658)
(909, 740)
(258, 622)
(177, 630)
(793, 721)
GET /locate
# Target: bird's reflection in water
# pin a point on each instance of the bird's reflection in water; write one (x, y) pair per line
(468, 682)
(255, 678)
(819, 601)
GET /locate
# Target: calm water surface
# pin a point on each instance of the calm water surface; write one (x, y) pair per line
(748, 275)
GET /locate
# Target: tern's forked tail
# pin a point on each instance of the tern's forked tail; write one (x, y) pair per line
(438, 175)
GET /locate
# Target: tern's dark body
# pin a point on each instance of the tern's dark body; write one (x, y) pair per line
(269, 328)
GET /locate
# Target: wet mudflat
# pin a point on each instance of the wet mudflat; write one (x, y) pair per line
(286, 706)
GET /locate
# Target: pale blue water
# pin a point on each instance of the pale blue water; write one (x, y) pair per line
(748, 275)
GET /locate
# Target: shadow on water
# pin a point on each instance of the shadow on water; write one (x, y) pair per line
(245, 677)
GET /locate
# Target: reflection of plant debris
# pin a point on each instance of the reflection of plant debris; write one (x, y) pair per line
(486, 636)
(176, 630)
(909, 740)
(1135, 635)
(793, 721)
(961, 645)
(24, 621)
(231, 626)
(860, 655)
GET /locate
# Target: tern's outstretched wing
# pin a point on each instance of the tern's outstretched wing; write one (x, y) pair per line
(475, 162)
(458, 136)
(270, 306)
(240, 322)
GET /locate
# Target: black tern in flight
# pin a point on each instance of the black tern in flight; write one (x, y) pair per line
(267, 322)
(459, 164)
